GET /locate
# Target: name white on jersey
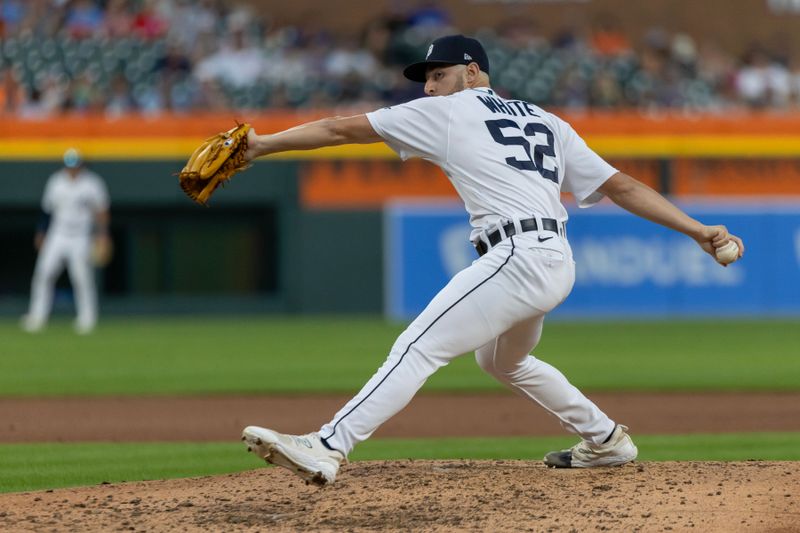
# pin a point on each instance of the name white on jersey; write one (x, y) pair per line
(505, 158)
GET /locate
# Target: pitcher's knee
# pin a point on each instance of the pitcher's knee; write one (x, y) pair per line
(425, 359)
(495, 367)
(509, 368)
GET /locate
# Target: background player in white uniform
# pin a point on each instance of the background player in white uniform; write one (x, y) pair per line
(76, 201)
(509, 162)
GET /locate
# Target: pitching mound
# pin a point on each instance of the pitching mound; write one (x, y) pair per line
(434, 496)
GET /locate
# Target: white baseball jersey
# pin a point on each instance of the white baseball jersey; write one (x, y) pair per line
(72, 203)
(506, 158)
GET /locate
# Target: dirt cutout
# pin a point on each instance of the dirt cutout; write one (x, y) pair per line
(221, 418)
(439, 496)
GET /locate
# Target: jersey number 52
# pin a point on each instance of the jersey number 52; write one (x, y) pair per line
(535, 161)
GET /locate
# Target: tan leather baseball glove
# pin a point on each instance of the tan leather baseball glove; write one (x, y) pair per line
(214, 162)
(102, 251)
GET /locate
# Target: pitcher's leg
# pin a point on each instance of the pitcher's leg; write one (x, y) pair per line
(508, 360)
(455, 322)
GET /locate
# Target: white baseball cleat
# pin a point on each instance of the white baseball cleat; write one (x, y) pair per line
(619, 450)
(305, 455)
(83, 328)
(30, 324)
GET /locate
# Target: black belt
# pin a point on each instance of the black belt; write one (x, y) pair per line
(528, 224)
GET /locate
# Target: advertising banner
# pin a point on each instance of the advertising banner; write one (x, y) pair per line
(626, 267)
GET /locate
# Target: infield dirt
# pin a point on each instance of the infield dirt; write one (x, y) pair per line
(440, 496)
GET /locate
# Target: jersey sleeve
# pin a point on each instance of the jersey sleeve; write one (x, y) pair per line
(585, 171)
(420, 128)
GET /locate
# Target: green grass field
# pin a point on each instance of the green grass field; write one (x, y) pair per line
(46, 466)
(235, 355)
(298, 355)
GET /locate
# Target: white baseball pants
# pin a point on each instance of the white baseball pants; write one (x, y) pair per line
(58, 250)
(495, 307)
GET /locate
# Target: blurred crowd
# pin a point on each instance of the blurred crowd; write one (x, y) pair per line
(151, 56)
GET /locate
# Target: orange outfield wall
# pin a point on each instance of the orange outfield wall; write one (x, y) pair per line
(740, 153)
(625, 135)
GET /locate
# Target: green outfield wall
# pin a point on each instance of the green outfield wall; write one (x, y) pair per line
(254, 249)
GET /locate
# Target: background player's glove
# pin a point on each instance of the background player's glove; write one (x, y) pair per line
(214, 162)
(102, 251)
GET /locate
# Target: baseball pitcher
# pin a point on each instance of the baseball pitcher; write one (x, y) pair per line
(509, 160)
(74, 231)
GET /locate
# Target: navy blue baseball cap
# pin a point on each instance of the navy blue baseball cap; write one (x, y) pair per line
(449, 50)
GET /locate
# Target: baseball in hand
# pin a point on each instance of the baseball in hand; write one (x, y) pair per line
(728, 254)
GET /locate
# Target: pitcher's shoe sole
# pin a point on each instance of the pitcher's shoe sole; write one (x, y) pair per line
(275, 453)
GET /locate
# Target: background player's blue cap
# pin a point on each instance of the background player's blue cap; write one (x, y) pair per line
(449, 50)
(72, 158)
